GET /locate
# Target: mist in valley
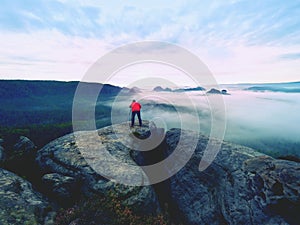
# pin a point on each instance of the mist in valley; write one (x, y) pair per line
(266, 121)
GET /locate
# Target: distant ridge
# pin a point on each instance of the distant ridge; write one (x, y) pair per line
(26, 102)
(160, 89)
(37, 88)
(291, 87)
(284, 87)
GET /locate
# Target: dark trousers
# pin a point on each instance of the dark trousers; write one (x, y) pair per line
(138, 113)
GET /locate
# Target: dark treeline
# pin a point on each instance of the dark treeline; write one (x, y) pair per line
(42, 110)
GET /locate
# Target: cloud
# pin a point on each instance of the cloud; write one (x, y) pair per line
(267, 121)
(251, 22)
(31, 16)
(48, 55)
(54, 55)
(242, 39)
(290, 56)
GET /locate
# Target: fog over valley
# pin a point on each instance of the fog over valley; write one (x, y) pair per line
(267, 121)
(252, 114)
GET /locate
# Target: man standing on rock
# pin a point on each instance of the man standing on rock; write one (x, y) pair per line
(135, 110)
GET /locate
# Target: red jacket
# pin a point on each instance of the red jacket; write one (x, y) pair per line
(135, 106)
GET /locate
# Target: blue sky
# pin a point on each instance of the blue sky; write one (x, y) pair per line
(239, 41)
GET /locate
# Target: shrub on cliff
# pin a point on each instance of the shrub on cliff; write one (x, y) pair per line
(107, 210)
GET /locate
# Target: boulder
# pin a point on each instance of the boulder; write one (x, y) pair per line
(214, 91)
(94, 160)
(20, 159)
(61, 187)
(25, 146)
(19, 203)
(241, 186)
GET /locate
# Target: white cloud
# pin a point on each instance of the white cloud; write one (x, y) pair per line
(235, 39)
(48, 55)
(31, 15)
(254, 64)
(53, 55)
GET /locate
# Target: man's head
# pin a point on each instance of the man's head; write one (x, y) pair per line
(133, 100)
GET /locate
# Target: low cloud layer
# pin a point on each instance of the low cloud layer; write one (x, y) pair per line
(266, 121)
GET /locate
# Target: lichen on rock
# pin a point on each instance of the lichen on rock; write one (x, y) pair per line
(19, 203)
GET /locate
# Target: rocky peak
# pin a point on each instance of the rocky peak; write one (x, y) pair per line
(92, 161)
(241, 186)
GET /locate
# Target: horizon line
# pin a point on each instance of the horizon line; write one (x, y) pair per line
(235, 83)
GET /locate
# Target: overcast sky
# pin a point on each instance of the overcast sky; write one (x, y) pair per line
(239, 41)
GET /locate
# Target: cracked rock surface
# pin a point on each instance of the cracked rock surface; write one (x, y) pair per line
(241, 186)
(19, 203)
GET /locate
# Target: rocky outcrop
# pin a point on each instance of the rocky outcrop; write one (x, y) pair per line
(130, 91)
(134, 90)
(190, 89)
(19, 203)
(83, 164)
(25, 146)
(241, 186)
(160, 89)
(216, 91)
(224, 92)
(63, 188)
(19, 158)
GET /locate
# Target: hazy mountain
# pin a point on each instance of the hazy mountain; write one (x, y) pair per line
(33, 89)
(160, 89)
(276, 88)
(216, 91)
(287, 87)
(190, 89)
(35, 102)
(42, 110)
